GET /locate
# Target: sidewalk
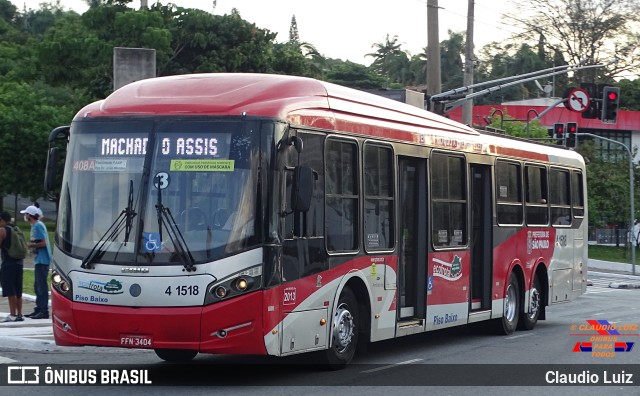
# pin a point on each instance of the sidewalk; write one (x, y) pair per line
(621, 270)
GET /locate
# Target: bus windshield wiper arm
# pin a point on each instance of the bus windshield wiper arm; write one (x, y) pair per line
(129, 214)
(123, 221)
(166, 219)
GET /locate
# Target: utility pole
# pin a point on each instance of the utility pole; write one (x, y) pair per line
(467, 109)
(433, 50)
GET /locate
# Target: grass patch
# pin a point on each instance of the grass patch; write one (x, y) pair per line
(618, 254)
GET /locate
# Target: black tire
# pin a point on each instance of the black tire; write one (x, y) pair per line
(176, 355)
(509, 321)
(528, 320)
(345, 326)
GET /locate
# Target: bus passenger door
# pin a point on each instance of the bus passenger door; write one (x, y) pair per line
(412, 250)
(481, 237)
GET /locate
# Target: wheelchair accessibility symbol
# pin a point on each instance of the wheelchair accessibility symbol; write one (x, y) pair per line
(152, 242)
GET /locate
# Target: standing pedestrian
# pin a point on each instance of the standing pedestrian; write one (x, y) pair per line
(10, 271)
(39, 242)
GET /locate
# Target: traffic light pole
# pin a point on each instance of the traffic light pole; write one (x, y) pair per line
(631, 193)
(456, 98)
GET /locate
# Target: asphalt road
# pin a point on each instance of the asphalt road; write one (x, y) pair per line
(469, 355)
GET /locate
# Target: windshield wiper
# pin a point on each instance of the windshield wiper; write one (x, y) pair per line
(123, 221)
(179, 244)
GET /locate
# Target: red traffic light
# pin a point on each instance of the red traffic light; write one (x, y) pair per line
(612, 95)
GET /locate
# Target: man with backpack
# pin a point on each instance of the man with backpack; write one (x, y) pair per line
(12, 250)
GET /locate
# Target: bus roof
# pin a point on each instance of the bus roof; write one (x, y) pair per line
(267, 95)
(308, 102)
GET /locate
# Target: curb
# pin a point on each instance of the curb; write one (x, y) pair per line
(619, 285)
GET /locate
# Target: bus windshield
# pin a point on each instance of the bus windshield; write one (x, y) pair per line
(150, 191)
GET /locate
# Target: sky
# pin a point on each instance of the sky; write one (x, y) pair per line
(348, 29)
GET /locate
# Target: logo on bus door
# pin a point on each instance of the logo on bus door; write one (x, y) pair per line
(449, 271)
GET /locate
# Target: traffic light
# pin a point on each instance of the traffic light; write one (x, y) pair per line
(610, 104)
(558, 132)
(572, 137)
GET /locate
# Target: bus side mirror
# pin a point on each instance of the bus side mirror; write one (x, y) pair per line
(303, 178)
(50, 171)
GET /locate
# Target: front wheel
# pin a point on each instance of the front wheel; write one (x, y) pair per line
(529, 319)
(344, 331)
(176, 355)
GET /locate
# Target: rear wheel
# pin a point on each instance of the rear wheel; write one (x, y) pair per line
(529, 319)
(344, 331)
(509, 321)
(176, 355)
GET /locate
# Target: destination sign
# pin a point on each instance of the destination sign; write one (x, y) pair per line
(210, 145)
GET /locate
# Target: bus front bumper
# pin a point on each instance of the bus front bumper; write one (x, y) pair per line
(228, 327)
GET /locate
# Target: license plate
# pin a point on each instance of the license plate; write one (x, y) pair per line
(136, 340)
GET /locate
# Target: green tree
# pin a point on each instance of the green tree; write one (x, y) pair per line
(596, 31)
(500, 60)
(608, 184)
(629, 94)
(390, 61)
(451, 66)
(294, 36)
(202, 42)
(353, 75)
(28, 112)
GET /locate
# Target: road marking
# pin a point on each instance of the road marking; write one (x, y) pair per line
(392, 365)
(519, 336)
(5, 360)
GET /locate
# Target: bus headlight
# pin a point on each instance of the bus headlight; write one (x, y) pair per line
(220, 291)
(234, 285)
(60, 283)
(243, 283)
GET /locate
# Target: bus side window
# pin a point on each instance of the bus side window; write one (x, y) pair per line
(378, 198)
(303, 248)
(577, 194)
(509, 193)
(341, 214)
(537, 211)
(559, 197)
(449, 200)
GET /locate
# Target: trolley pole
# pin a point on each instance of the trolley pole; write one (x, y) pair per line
(631, 192)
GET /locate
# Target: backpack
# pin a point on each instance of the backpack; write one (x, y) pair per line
(18, 247)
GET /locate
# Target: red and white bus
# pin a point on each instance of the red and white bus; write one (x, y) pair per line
(277, 215)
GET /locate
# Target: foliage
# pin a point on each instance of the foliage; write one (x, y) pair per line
(27, 112)
(451, 65)
(593, 31)
(629, 94)
(608, 181)
(515, 128)
(390, 60)
(500, 60)
(294, 36)
(353, 75)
